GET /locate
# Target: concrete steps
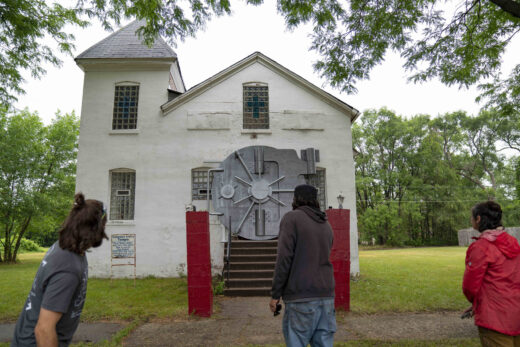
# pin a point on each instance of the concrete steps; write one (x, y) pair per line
(243, 274)
(251, 268)
(247, 291)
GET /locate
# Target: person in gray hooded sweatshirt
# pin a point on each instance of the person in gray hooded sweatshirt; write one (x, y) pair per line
(304, 276)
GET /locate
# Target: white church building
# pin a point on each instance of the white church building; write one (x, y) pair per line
(146, 145)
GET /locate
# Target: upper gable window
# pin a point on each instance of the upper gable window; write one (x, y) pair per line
(256, 106)
(126, 99)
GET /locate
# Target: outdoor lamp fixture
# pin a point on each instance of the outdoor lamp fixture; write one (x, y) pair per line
(340, 200)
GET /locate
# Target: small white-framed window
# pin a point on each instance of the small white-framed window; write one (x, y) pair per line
(122, 195)
(318, 180)
(126, 102)
(199, 183)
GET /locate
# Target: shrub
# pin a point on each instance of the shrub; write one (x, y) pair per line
(29, 246)
(26, 246)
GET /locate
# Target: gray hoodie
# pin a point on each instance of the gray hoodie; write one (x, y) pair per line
(303, 269)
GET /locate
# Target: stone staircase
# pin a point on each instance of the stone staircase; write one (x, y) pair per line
(251, 268)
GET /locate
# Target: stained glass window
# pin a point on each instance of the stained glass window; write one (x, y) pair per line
(125, 107)
(256, 107)
(122, 197)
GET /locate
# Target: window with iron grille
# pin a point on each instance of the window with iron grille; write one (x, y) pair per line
(199, 184)
(256, 107)
(318, 180)
(122, 196)
(125, 107)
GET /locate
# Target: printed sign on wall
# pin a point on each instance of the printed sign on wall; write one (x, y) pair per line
(123, 246)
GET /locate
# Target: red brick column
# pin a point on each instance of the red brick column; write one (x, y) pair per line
(200, 293)
(340, 255)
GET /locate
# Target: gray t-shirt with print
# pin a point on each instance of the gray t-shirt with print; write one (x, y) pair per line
(60, 285)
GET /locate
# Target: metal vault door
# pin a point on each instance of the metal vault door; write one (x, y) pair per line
(255, 189)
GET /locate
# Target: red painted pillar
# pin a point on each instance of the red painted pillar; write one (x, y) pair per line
(340, 255)
(200, 293)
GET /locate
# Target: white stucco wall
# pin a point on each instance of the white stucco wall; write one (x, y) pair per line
(199, 133)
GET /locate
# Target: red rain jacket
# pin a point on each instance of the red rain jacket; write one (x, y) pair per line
(492, 281)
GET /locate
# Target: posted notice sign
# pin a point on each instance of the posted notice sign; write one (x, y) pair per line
(123, 246)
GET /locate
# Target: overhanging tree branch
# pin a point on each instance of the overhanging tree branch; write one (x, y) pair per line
(510, 6)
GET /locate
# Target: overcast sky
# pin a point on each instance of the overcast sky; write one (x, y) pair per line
(229, 39)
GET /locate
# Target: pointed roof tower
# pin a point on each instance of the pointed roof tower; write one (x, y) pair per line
(125, 44)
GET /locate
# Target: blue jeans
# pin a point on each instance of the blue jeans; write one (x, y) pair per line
(311, 322)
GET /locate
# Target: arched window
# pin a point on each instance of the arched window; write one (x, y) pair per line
(122, 194)
(256, 105)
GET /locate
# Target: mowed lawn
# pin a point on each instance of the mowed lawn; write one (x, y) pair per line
(410, 280)
(115, 300)
(394, 280)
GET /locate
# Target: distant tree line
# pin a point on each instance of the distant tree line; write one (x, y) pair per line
(417, 178)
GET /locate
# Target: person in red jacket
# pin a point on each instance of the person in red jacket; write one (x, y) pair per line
(492, 278)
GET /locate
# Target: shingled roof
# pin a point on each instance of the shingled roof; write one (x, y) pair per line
(125, 44)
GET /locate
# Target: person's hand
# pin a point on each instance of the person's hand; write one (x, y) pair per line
(468, 313)
(272, 304)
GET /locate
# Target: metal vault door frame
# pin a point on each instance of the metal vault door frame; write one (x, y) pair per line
(258, 176)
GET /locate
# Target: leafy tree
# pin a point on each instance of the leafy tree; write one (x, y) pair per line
(460, 47)
(504, 97)
(24, 23)
(44, 226)
(37, 164)
(416, 179)
(472, 146)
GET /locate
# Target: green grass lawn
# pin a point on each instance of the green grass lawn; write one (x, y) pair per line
(106, 300)
(15, 283)
(409, 280)
(150, 298)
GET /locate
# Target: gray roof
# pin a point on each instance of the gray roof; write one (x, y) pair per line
(125, 44)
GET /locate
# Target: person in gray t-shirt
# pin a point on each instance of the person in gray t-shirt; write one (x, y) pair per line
(51, 313)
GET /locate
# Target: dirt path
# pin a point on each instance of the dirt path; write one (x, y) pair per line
(243, 321)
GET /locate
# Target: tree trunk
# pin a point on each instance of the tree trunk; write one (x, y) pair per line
(24, 227)
(7, 242)
(426, 226)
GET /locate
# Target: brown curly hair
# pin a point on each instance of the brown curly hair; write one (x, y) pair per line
(84, 227)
